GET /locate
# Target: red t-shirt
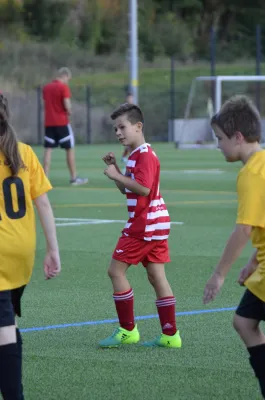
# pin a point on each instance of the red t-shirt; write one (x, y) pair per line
(53, 95)
(148, 215)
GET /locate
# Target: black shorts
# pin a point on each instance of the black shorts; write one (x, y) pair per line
(10, 305)
(59, 136)
(251, 307)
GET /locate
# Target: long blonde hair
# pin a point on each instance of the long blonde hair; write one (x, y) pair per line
(8, 139)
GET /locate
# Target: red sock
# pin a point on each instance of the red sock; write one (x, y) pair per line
(124, 307)
(167, 314)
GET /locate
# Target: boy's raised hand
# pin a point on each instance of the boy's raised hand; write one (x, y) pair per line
(111, 172)
(109, 159)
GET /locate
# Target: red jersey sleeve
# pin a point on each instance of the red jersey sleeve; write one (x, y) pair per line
(145, 169)
(66, 92)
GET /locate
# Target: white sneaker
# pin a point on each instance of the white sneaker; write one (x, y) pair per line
(78, 181)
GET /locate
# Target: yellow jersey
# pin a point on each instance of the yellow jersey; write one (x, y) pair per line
(251, 211)
(17, 218)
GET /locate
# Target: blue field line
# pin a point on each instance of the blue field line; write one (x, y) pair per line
(110, 321)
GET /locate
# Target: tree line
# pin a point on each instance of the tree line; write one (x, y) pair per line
(179, 28)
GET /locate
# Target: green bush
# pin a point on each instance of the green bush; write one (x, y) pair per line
(44, 18)
(175, 37)
(10, 12)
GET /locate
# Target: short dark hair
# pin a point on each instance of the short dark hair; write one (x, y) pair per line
(239, 114)
(132, 111)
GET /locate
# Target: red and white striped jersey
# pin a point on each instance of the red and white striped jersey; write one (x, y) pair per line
(148, 215)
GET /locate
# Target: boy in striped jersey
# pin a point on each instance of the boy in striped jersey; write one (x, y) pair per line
(144, 237)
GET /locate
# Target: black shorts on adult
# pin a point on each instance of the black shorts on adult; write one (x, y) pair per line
(59, 136)
(251, 307)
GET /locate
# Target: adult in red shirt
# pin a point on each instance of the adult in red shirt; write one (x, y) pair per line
(58, 131)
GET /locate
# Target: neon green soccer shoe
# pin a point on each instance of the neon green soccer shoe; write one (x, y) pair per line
(121, 336)
(163, 340)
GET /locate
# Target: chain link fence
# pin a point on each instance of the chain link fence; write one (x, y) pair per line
(90, 117)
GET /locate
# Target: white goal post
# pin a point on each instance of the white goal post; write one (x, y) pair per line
(206, 95)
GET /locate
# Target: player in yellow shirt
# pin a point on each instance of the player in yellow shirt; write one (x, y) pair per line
(22, 182)
(238, 129)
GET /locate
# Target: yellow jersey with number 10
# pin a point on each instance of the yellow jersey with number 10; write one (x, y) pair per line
(17, 218)
(251, 211)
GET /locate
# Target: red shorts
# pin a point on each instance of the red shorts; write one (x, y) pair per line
(131, 250)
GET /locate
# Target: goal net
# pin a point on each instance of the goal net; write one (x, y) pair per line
(206, 96)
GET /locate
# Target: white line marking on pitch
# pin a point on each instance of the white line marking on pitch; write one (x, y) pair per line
(195, 171)
(82, 221)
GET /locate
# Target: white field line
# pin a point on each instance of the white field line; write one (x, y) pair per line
(194, 171)
(81, 221)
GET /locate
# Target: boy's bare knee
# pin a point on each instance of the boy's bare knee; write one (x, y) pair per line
(8, 335)
(238, 323)
(117, 269)
(111, 272)
(151, 279)
(156, 275)
(243, 325)
(115, 273)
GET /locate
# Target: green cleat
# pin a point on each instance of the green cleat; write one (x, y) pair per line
(121, 336)
(163, 340)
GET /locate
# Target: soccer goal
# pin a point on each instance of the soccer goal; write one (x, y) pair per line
(206, 96)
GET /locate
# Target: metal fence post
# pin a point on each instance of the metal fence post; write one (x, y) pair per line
(258, 64)
(88, 114)
(213, 62)
(172, 100)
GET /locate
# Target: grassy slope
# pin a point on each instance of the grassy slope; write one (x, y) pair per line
(108, 89)
(160, 77)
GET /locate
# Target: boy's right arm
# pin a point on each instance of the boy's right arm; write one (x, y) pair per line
(119, 185)
(52, 263)
(111, 159)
